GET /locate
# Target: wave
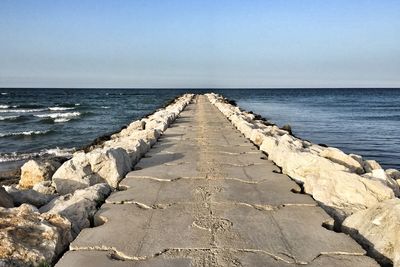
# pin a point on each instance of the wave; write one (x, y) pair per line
(22, 110)
(105, 107)
(59, 115)
(60, 108)
(55, 152)
(4, 93)
(29, 106)
(7, 118)
(4, 106)
(26, 133)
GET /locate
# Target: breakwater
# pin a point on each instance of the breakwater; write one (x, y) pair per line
(209, 184)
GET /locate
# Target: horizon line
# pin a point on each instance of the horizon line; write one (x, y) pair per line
(204, 88)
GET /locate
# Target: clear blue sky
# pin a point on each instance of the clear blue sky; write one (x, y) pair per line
(209, 43)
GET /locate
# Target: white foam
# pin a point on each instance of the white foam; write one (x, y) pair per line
(62, 120)
(4, 106)
(4, 93)
(60, 108)
(106, 107)
(23, 133)
(59, 115)
(58, 152)
(3, 118)
(22, 110)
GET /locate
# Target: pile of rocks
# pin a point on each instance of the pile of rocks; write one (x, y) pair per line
(357, 193)
(53, 202)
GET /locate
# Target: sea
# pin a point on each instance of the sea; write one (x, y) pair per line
(50, 121)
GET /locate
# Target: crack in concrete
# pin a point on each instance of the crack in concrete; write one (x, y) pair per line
(195, 253)
(207, 195)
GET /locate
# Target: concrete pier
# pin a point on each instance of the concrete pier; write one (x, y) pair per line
(206, 196)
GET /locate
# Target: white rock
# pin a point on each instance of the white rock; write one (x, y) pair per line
(28, 238)
(85, 169)
(370, 165)
(45, 187)
(257, 136)
(28, 196)
(35, 171)
(393, 173)
(78, 207)
(74, 174)
(358, 158)
(381, 176)
(328, 182)
(110, 165)
(340, 157)
(379, 225)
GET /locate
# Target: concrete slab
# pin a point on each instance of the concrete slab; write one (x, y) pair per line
(136, 231)
(292, 232)
(152, 192)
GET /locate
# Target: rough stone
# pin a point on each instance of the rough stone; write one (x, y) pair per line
(85, 169)
(6, 200)
(28, 196)
(380, 175)
(378, 229)
(80, 206)
(35, 171)
(74, 174)
(45, 187)
(110, 165)
(340, 157)
(393, 173)
(28, 238)
(370, 165)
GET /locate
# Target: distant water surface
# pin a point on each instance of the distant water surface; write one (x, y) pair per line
(38, 121)
(360, 121)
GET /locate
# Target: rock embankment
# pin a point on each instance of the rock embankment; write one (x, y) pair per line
(357, 193)
(53, 202)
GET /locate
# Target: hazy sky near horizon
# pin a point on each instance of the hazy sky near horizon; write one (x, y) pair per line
(225, 43)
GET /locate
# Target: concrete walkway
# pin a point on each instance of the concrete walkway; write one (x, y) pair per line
(205, 196)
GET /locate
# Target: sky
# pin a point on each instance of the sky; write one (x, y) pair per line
(200, 44)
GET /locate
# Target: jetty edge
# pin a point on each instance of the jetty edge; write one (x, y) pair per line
(360, 196)
(53, 202)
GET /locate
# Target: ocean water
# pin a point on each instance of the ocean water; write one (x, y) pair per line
(55, 121)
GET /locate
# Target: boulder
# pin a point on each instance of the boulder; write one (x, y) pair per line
(378, 229)
(28, 196)
(110, 165)
(74, 174)
(35, 171)
(393, 173)
(380, 175)
(28, 238)
(341, 193)
(340, 157)
(6, 200)
(97, 166)
(358, 158)
(45, 187)
(370, 165)
(257, 136)
(80, 206)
